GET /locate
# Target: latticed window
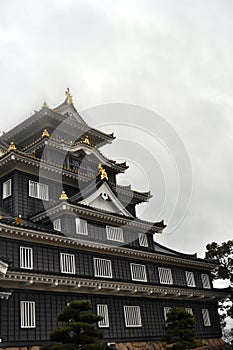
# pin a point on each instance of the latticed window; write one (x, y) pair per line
(27, 314)
(102, 310)
(206, 317)
(102, 268)
(115, 233)
(189, 310)
(26, 258)
(143, 240)
(67, 263)
(138, 272)
(165, 275)
(57, 225)
(81, 226)
(205, 280)
(38, 190)
(7, 189)
(166, 309)
(132, 316)
(190, 280)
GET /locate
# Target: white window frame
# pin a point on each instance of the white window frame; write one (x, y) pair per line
(143, 240)
(57, 224)
(165, 275)
(206, 317)
(189, 310)
(67, 263)
(28, 314)
(7, 189)
(132, 314)
(114, 233)
(138, 272)
(205, 279)
(26, 258)
(166, 309)
(102, 310)
(102, 267)
(190, 279)
(38, 190)
(81, 226)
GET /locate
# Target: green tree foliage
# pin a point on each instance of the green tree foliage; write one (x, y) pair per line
(79, 331)
(180, 329)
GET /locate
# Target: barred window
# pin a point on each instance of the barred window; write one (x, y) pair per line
(102, 310)
(165, 275)
(57, 225)
(189, 310)
(206, 317)
(166, 309)
(102, 268)
(114, 233)
(143, 240)
(26, 258)
(190, 280)
(138, 272)
(38, 190)
(67, 262)
(132, 316)
(205, 280)
(81, 226)
(27, 314)
(7, 191)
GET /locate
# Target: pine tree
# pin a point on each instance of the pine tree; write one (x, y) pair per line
(79, 331)
(180, 329)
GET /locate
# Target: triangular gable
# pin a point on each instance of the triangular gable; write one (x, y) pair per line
(68, 110)
(104, 199)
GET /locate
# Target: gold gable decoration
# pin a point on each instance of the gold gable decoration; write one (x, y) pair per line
(102, 173)
(63, 196)
(45, 133)
(12, 147)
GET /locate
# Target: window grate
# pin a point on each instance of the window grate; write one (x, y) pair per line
(102, 268)
(206, 317)
(190, 280)
(115, 233)
(57, 225)
(166, 309)
(138, 272)
(205, 280)
(102, 310)
(26, 258)
(81, 226)
(67, 263)
(132, 316)
(189, 310)
(165, 275)
(27, 311)
(38, 190)
(143, 240)
(7, 189)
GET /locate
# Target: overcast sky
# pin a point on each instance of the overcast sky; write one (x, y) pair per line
(172, 59)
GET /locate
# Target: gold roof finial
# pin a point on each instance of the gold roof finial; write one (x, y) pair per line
(86, 140)
(12, 147)
(102, 173)
(63, 196)
(45, 104)
(45, 133)
(19, 219)
(69, 97)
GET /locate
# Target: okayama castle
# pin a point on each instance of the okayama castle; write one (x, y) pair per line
(68, 231)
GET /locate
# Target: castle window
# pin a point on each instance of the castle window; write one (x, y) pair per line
(102, 310)
(166, 309)
(132, 316)
(38, 190)
(138, 272)
(26, 258)
(57, 225)
(114, 233)
(143, 241)
(165, 275)
(27, 311)
(206, 317)
(205, 280)
(190, 280)
(189, 310)
(102, 268)
(67, 262)
(81, 226)
(7, 192)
